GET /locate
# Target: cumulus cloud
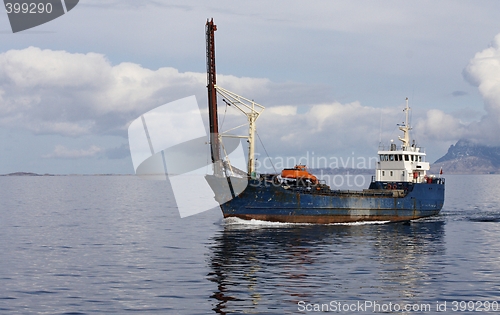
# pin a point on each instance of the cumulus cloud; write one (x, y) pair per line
(56, 92)
(328, 128)
(286, 110)
(483, 71)
(438, 125)
(72, 94)
(339, 126)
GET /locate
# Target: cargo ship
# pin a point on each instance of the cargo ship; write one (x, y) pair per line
(400, 190)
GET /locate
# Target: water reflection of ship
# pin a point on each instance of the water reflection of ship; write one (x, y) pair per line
(259, 268)
(411, 256)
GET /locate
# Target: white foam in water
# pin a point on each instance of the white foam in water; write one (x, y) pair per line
(241, 223)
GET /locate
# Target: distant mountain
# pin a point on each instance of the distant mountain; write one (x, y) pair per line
(467, 157)
(22, 174)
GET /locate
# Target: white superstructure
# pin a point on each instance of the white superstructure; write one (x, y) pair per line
(405, 163)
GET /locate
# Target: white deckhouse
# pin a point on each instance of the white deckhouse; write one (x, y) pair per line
(405, 163)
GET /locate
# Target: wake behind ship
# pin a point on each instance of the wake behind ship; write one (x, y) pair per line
(400, 190)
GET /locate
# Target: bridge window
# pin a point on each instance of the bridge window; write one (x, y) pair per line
(407, 158)
(391, 157)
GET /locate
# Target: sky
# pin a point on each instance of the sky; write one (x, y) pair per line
(333, 76)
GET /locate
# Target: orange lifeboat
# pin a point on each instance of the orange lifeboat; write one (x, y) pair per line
(299, 172)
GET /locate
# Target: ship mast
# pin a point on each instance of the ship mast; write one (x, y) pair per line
(248, 107)
(212, 97)
(406, 128)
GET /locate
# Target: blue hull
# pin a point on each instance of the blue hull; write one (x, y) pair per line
(263, 200)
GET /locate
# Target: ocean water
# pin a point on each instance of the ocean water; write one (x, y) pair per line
(116, 245)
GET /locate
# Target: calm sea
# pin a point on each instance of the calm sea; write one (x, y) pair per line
(116, 245)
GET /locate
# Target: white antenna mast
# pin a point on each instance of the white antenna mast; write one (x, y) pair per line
(406, 128)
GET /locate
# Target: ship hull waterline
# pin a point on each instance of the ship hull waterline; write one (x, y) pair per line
(264, 201)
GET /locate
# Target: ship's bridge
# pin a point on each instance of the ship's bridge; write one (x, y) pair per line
(404, 164)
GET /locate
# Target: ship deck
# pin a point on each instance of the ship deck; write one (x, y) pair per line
(383, 193)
